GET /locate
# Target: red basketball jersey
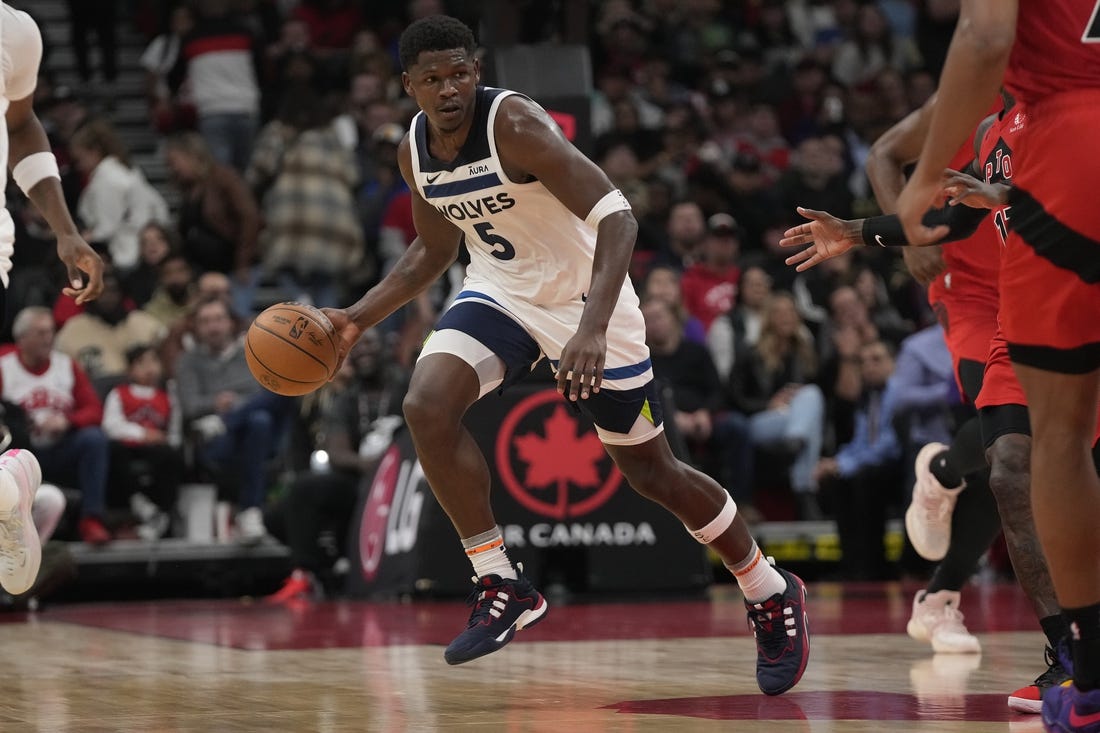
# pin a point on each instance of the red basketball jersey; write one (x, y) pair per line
(972, 264)
(1057, 48)
(995, 157)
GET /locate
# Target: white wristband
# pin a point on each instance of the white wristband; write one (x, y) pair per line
(613, 201)
(32, 169)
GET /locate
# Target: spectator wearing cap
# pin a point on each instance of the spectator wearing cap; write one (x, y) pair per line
(306, 177)
(710, 284)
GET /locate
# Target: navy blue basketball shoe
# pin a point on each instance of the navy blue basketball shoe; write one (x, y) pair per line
(502, 606)
(782, 636)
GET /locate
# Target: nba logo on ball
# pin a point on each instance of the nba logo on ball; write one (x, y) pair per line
(291, 349)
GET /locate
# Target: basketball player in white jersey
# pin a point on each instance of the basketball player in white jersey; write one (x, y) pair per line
(25, 149)
(549, 239)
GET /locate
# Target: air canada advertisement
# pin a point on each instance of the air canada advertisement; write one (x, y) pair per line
(564, 508)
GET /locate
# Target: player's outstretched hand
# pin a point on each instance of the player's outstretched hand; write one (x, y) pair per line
(965, 189)
(580, 370)
(347, 331)
(80, 259)
(827, 236)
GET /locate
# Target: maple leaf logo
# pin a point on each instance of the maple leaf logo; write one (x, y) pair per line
(561, 458)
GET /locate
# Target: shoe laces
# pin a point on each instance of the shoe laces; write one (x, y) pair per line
(773, 624)
(1055, 674)
(488, 598)
(951, 620)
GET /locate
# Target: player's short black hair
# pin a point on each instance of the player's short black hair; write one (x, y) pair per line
(434, 33)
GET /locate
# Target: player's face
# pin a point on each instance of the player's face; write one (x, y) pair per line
(444, 84)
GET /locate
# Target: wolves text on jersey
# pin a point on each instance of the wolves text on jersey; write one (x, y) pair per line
(478, 208)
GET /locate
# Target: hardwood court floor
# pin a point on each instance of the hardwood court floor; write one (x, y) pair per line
(232, 666)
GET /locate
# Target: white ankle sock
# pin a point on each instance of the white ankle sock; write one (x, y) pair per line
(488, 555)
(759, 581)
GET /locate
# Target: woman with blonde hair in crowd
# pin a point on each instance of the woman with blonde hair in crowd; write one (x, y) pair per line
(773, 385)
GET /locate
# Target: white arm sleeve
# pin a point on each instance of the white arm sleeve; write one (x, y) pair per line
(21, 42)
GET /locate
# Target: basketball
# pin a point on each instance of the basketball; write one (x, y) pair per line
(291, 348)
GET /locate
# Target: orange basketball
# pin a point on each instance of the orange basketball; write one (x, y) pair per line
(291, 348)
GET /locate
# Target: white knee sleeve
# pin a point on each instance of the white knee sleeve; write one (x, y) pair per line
(718, 525)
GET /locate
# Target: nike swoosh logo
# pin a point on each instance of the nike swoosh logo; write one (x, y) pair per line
(433, 179)
(1080, 721)
(878, 240)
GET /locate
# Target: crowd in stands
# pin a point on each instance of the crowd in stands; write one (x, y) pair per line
(279, 121)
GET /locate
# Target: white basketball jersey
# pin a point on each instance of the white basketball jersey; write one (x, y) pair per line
(520, 236)
(52, 390)
(20, 53)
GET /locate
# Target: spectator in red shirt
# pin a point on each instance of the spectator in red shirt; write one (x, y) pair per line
(710, 285)
(63, 413)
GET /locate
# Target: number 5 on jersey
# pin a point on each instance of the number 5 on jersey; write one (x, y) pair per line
(505, 252)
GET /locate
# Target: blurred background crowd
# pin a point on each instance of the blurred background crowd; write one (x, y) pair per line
(267, 171)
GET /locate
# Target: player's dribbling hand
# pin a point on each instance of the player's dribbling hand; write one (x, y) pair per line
(80, 259)
(827, 236)
(580, 370)
(347, 333)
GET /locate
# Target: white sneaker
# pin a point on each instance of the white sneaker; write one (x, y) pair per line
(20, 548)
(928, 517)
(937, 619)
(250, 526)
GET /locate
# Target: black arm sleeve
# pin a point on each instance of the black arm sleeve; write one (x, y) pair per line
(886, 231)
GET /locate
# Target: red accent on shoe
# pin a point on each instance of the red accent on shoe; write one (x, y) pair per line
(297, 587)
(93, 532)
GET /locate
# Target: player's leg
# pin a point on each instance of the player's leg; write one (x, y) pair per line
(1010, 458)
(1065, 487)
(936, 616)
(940, 470)
(775, 599)
(473, 350)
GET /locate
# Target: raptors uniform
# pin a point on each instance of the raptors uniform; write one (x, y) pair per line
(1051, 276)
(525, 288)
(1000, 386)
(964, 296)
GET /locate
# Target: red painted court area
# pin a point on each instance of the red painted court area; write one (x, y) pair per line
(835, 609)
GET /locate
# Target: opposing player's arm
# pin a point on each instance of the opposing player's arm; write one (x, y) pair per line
(972, 74)
(830, 237)
(428, 257)
(531, 142)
